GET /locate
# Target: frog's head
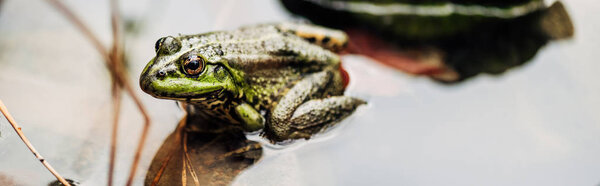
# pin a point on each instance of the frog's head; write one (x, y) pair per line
(182, 72)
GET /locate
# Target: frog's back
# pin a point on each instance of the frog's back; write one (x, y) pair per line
(256, 48)
(274, 59)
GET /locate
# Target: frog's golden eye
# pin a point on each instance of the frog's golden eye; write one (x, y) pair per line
(193, 65)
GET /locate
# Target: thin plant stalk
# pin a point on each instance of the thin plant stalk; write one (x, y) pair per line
(116, 89)
(116, 95)
(79, 24)
(37, 155)
(114, 65)
(143, 137)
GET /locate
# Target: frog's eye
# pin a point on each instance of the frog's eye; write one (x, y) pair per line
(193, 65)
(167, 45)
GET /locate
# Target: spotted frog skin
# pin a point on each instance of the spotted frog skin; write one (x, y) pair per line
(282, 78)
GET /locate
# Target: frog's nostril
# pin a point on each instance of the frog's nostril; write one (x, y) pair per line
(162, 73)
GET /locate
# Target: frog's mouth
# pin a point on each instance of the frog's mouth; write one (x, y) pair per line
(179, 88)
(195, 98)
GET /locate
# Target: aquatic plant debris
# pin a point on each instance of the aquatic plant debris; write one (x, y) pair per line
(37, 155)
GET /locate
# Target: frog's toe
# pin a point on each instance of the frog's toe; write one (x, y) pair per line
(299, 135)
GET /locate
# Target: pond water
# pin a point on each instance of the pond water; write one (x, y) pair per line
(537, 124)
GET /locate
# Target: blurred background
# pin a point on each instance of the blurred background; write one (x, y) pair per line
(536, 124)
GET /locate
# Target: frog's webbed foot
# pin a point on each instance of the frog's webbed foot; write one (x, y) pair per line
(308, 107)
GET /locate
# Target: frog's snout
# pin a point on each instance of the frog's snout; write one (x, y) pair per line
(157, 82)
(146, 84)
(148, 78)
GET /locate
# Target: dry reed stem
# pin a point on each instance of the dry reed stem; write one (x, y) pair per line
(142, 141)
(79, 24)
(37, 155)
(116, 89)
(114, 65)
(116, 95)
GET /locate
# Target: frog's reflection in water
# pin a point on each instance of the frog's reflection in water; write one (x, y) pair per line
(189, 157)
(455, 49)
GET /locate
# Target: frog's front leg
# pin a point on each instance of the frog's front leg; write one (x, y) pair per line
(252, 119)
(304, 110)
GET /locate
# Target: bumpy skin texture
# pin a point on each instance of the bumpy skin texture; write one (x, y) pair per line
(254, 77)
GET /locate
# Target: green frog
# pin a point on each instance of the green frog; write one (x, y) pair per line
(283, 78)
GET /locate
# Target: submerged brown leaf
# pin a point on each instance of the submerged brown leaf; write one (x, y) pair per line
(199, 158)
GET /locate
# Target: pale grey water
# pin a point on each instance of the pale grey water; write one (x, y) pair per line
(537, 124)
